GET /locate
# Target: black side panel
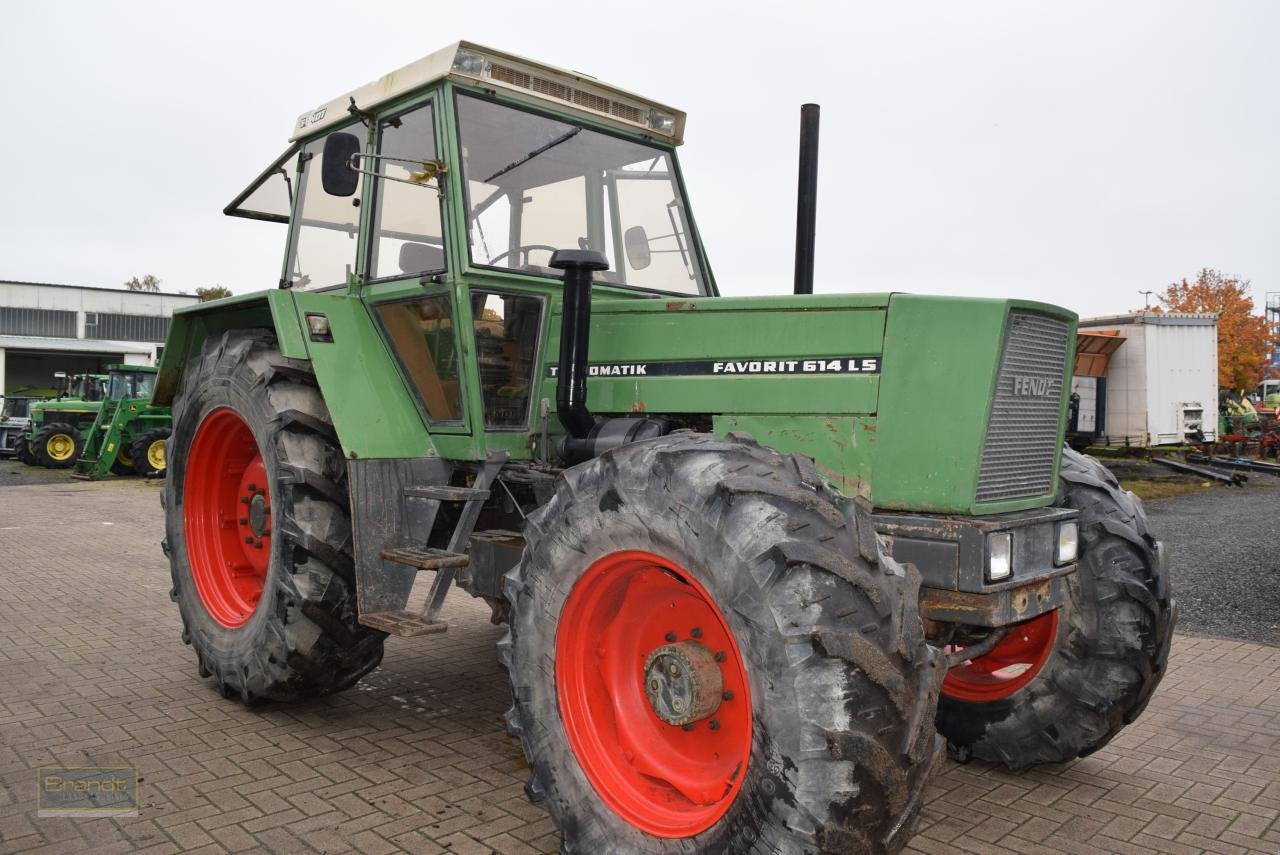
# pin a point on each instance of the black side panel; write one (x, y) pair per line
(381, 518)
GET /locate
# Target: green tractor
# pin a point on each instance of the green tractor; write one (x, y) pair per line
(129, 435)
(57, 431)
(749, 593)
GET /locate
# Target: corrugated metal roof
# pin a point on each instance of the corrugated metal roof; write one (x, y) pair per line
(191, 297)
(71, 345)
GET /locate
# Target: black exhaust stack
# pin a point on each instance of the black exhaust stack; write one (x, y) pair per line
(575, 329)
(807, 198)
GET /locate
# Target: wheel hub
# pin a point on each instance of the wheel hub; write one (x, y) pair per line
(683, 682)
(258, 514)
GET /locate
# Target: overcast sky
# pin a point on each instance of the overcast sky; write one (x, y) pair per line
(1073, 152)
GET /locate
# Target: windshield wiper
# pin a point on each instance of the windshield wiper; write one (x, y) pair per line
(531, 155)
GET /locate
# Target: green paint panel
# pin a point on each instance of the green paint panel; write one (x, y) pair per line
(371, 408)
(840, 445)
(729, 329)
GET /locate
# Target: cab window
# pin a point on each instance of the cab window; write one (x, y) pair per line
(407, 237)
(424, 338)
(322, 248)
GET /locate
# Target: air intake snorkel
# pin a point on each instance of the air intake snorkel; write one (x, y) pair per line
(575, 330)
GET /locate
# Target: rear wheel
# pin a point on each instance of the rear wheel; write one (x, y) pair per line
(57, 446)
(701, 659)
(258, 527)
(1062, 685)
(148, 453)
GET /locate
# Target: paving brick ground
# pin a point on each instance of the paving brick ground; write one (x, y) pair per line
(415, 758)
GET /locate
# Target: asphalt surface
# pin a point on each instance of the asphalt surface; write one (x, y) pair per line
(1224, 555)
(1223, 545)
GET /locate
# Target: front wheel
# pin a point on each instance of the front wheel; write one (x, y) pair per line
(57, 446)
(1062, 685)
(258, 528)
(701, 660)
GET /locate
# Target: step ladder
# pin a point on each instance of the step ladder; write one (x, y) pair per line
(383, 593)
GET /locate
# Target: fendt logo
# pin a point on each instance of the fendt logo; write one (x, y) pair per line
(1032, 387)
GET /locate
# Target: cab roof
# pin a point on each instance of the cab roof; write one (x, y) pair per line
(470, 63)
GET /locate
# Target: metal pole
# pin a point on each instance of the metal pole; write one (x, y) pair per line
(807, 198)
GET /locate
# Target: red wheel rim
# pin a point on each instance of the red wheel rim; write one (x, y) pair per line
(227, 513)
(1011, 664)
(661, 778)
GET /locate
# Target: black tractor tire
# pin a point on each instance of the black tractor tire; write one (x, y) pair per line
(50, 432)
(123, 464)
(140, 450)
(22, 451)
(843, 685)
(1112, 645)
(302, 640)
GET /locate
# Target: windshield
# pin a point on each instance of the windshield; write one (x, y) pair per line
(536, 184)
(88, 388)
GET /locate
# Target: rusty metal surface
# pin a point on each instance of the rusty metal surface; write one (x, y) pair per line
(995, 609)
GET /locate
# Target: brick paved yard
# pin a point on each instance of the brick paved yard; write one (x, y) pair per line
(92, 672)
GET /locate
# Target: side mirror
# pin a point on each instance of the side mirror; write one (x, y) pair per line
(336, 174)
(637, 244)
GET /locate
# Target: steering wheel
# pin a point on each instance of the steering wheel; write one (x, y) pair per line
(524, 250)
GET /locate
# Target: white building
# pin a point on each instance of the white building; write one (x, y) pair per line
(1161, 386)
(46, 328)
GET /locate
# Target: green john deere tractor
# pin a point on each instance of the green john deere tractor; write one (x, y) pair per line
(746, 585)
(129, 435)
(56, 434)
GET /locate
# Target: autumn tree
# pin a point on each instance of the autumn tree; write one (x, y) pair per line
(212, 292)
(146, 283)
(1244, 339)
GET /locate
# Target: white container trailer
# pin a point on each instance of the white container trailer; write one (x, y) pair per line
(1162, 384)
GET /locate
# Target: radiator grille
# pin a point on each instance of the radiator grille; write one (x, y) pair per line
(1022, 435)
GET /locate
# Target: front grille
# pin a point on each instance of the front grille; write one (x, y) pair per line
(1022, 434)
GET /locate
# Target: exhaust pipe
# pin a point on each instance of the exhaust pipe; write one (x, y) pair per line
(575, 329)
(807, 198)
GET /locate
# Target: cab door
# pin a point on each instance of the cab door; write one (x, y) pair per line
(407, 278)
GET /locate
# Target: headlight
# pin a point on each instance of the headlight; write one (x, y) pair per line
(663, 123)
(470, 63)
(1068, 545)
(318, 326)
(999, 556)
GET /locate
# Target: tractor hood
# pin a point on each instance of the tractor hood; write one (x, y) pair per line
(959, 404)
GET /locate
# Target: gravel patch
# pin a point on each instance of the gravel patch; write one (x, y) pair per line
(1224, 553)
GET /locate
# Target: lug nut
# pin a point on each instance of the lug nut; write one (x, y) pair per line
(713, 724)
(244, 500)
(253, 488)
(728, 696)
(244, 521)
(670, 636)
(257, 544)
(675, 671)
(696, 632)
(248, 538)
(720, 657)
(654, 685)
(686, 727)
(677, 705)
